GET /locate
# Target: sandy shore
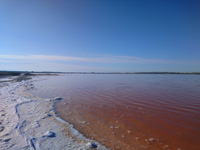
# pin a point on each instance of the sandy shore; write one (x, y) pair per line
(30, 123)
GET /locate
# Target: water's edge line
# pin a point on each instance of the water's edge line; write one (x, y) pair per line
(74, 131)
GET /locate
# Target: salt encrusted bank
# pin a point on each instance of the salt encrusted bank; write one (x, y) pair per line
(29, 123)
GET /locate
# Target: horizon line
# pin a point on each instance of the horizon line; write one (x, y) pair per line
(102, 72)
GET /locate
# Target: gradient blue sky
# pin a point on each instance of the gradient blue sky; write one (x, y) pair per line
(100, 35)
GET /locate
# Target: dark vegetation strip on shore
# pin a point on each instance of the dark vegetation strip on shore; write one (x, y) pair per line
(17, 73)
(20, 75)
(5, 73)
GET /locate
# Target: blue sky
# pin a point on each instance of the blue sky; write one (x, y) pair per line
(100, 35)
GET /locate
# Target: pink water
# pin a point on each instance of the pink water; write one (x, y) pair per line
(128, 112)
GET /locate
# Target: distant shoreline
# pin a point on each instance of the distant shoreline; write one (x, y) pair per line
(31, 73)
(18, 76)
(184, 73)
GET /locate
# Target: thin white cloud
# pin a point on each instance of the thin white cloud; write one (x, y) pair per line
(105, 63)
(54, 58)
(4, 61)
(108, 59)
(30, 65)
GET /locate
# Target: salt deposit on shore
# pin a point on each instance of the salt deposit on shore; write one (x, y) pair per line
(29, 123)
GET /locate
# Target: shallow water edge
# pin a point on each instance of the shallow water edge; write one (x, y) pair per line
(26, 119)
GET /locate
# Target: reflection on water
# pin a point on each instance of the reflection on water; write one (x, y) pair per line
(130, 111)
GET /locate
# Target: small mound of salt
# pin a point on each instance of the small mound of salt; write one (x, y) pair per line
(129, 131)
(58, 98)
(49, 134)
(49, 115)
(151, 139)
(91, 145)
(166, 146)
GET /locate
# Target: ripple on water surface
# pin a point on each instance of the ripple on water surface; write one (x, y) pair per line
(130, 111)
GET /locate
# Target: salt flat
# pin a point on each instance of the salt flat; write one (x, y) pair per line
(30, 123)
